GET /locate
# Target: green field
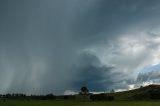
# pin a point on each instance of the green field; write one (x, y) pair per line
(144, 96)
(78, 103)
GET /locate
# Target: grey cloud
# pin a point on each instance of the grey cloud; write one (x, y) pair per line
(40, 41)
(106, 19)
(151, 73)
(151, 76)
(90, 72)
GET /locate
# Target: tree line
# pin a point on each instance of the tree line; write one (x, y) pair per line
(83, 93)
(20, 96)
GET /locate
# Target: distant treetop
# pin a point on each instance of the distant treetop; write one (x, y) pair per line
(84, 90)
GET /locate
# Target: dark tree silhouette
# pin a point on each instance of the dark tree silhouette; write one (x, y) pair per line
(84, 90)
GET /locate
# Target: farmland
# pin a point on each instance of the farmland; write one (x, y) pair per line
(77, 103)
(144, 96)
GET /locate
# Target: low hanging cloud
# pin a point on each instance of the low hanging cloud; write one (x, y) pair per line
(90, 72)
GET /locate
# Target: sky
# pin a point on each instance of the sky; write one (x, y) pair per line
(58, 46)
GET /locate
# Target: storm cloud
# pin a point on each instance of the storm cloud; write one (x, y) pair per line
(149, 74)
(57, 45)
(90, 72)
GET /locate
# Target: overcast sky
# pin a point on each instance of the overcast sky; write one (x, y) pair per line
(57, 46)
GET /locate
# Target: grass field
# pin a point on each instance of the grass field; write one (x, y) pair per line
(78, 103)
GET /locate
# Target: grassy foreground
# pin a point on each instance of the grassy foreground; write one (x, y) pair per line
(78, 103)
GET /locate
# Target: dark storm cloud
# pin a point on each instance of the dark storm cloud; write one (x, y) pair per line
(40, 41)
(91, 73)
(34, 46)
(106, 18)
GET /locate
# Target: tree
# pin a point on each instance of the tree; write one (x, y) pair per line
(112, 91)
(84, 90)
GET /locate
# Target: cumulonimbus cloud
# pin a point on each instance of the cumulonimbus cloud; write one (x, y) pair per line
(40, 41)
